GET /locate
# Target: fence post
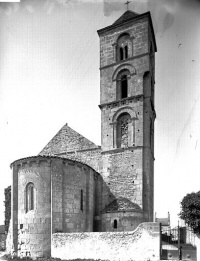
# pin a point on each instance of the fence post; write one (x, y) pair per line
(160, 240)
(179, 244)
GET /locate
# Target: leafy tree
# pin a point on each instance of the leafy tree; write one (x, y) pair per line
(190, 210)
(7, 202)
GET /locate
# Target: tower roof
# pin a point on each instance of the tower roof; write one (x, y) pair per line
(125, 17)
(67, 140)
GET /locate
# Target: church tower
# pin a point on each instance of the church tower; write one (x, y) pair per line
(127, 76)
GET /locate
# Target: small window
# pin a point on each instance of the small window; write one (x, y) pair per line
(30, 197)
(81, 201)
(115, 223)
(124, 87)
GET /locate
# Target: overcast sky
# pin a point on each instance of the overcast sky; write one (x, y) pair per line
(49, 76)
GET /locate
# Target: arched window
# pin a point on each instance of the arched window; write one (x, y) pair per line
(115, 223)
(126, 52)
(123, 130)
(123, 47)
(30, 191)
(81, 201)
(121, 53)
(122, 84)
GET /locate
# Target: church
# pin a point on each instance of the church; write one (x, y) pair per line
(73, 185)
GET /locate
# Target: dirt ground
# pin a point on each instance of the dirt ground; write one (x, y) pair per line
(2, 254)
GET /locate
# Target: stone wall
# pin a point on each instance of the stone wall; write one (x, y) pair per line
(77, 179)
(127, 170)
(9, 242)
(34, 226)
(136, 64)
(125, 220)
(2, 242)
(67, 196)
(122, 173)
(137, 28)
(141, 244)
(91, 157)
(110, 112)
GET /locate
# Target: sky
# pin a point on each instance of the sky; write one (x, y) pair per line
(49, 76)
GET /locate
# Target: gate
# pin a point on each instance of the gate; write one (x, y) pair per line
(178, 244)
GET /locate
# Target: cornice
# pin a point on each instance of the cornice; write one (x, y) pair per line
(124, 61)
(37, 159)
(121, 102)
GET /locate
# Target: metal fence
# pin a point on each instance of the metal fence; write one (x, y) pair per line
(178, 243)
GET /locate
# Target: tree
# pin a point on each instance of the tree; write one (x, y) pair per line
(7, 202)
(190, 210)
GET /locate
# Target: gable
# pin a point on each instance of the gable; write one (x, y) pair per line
(67, 140)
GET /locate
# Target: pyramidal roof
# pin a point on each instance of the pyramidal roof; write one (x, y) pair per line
(67, 140)
(121, 204)
(125, 17)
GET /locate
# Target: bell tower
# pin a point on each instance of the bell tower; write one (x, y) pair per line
(127, 73)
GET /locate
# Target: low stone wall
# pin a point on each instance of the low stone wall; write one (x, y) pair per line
(141, 244)
(2, 242)
(9, 241)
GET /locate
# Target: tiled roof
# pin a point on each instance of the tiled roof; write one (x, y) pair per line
(39, 157)
(67, 140)
(121, 204)
(125, 17)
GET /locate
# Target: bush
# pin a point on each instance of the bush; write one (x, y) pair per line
(7, 202)
(190, 211)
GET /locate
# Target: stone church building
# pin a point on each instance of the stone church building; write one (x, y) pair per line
(73, 185)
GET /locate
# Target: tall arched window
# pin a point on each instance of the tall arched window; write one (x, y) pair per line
(123, 46)
(81, 200)
(126, 52)
(121, 53)
(123, 130)
(122, 84)
(30, 191)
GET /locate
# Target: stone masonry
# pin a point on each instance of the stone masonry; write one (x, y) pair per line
(74, 185)
(57, 207)
(128, 171)
(141, 244)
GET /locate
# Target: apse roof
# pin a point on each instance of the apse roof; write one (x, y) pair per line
(121, 204)
(45, 157)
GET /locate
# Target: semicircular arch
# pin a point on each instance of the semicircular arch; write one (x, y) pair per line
(123, 110)
(125, 66)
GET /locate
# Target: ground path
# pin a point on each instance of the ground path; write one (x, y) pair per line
(2, 254)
